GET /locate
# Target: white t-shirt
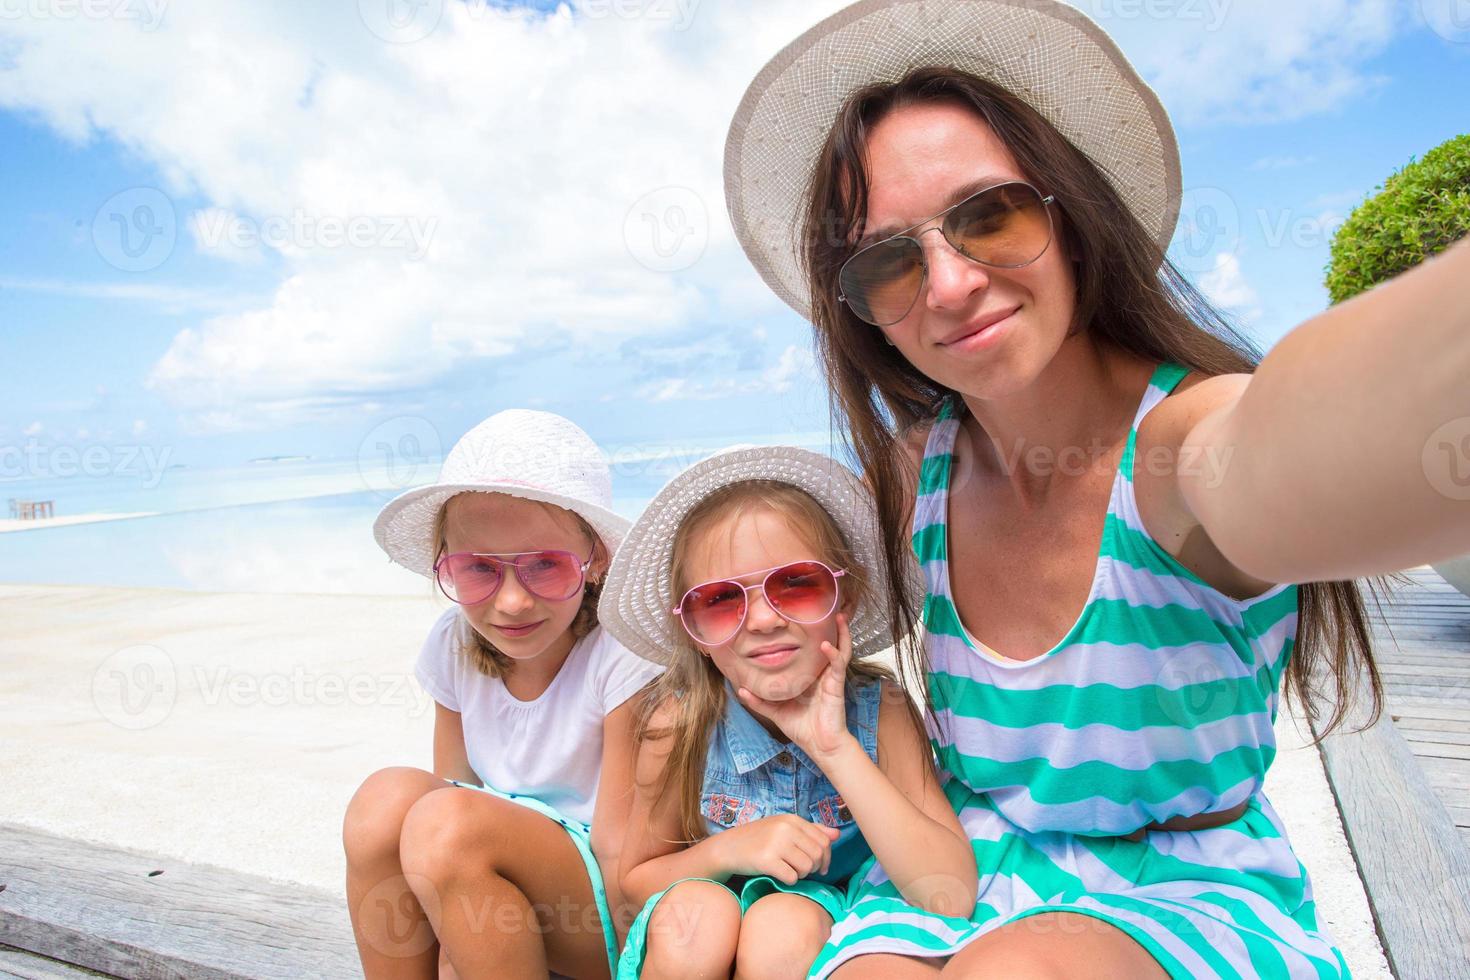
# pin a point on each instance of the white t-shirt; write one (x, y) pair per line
(549, 748)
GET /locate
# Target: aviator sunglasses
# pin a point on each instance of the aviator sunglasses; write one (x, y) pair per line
(1005, 226)
(470, 578)
(803, 592)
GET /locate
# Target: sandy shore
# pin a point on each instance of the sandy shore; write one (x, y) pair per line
(13, 524)
(232, 729)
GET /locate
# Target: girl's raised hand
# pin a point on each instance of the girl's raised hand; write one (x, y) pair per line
(784, 846)
(816, 719)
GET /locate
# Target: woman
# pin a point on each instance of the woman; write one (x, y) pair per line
(970, 200)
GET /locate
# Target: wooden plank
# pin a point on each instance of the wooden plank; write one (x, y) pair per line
(1425, 749)
(1411, 855)
(1455, 736)
(1416, 707)
(19, 963)
(1417, 723)
(1453, 775)
(134, 915)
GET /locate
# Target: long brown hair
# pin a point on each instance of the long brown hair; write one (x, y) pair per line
(692, 689)
(487, 659)
(1129, 298)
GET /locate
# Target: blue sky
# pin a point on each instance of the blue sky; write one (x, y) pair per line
(496, 171)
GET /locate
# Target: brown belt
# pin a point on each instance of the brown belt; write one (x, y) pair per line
(1200, 821)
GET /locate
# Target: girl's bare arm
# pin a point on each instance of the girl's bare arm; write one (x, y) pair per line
(450, 759)
(903, 813)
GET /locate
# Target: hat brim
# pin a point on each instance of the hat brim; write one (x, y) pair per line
(404, 527)
(1048, 53)
(637, 600)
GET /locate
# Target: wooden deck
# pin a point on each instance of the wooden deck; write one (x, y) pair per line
(69, 907)
(1403, 786)
(1423, 651)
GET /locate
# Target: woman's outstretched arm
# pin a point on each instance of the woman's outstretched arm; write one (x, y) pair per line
(1347, 453)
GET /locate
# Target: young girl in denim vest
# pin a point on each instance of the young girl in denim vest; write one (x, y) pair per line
(772, 761)
(492, 864)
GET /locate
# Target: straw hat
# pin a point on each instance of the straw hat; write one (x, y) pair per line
(534, 455)
(1044, 51)
(637, 596)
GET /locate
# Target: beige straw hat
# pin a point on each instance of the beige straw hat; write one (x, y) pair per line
(535, 455)
(637, 596)
(1044, 51)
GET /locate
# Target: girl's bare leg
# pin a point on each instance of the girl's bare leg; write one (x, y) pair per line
(692, 933)
(1056, 946)
(882, 966)
(503, 886)
(394, 937)
(780, 937)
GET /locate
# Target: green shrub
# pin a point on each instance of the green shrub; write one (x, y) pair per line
(1419, 211)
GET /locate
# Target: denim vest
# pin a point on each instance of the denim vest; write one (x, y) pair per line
(748, 775)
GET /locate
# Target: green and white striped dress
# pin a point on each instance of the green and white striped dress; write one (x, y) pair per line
(1158, 702)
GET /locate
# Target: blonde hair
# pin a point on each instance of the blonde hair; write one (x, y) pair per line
(692, 688)
(480, 651)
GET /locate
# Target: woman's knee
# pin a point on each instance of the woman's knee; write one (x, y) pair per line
(374, 819)
(693, 931)
(780, 936)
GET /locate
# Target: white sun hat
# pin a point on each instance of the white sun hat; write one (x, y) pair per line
(534, 455)
(1048, 53)
(637, 595)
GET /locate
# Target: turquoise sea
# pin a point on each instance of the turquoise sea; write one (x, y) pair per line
(297, 525)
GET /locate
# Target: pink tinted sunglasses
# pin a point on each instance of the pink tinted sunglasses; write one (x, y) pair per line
(470, 578)
(802, 591)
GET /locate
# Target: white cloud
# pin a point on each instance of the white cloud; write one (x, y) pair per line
(1226, 287)
(1249, 61)
(516, 144)
(34, 429)
(795, 365)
